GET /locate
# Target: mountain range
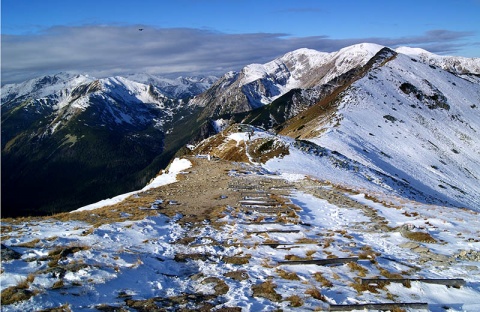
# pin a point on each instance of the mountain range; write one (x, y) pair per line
(408, 119)
(65, 138)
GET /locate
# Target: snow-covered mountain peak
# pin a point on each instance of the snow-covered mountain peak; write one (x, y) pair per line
(413, 51)
(455, 64)
(363, 49)
(181, 87)
(355, 55)
(290, 67)
(43, 86)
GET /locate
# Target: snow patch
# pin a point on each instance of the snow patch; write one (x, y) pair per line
(175, 168)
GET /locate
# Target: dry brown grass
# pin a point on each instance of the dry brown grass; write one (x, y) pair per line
(368, 253)
(315, 293)
(239, 275)
(389, 274)
(19, 292)
(264, 149)
(318, 276)
(306, 240)
(327, 242)
(221, 288)
(267, 264)
(239, 260)
(362, 271)
(112, 214)
(360, 287)
(295, 301)
(31, 244)
(266, 290)
(309, 254)
(61, 252)
(294, 258)
(58, 284)
(422, 237)
(5, 228)
(292, 276)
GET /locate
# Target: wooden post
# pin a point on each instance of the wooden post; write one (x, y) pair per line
(320, 261)
(455, 282)
(378, 306)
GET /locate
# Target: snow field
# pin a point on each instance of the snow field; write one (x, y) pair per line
(141, 259)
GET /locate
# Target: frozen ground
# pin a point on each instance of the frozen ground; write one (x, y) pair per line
(162, 262)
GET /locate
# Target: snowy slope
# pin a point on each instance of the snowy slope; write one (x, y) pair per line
(454, 64)
(414, 122)
(257, 85)
(159, 262)
(56, 85)
(181, 87)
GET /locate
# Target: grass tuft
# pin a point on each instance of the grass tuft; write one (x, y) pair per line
(315, 293)
(266, 290)
(419, 237)
(295, 301)
(318, 276)
(292, 276)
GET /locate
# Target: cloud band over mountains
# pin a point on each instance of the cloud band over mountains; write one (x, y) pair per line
(116, 50)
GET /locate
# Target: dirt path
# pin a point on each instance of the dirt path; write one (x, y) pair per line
(243, 239)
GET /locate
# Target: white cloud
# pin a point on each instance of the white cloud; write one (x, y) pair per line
(116, 50)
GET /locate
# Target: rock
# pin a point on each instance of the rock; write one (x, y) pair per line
(9, 254)
(421, 249)
(469, 255)
(439, 258)
(409, 245)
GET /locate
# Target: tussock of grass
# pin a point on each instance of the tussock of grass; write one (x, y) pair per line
(306, 240)
(266, 290)
(315, 293)
(31, 244)
(292, 276)
(327, 242)
(237, 260)
(19, 292)
(181, 257)
(295, 301)
(293, 258)
(309, 254)
(368, 254)
(266, 264)
(360, 287)
(58, 284)
(389, 274)
(221, 288)
(318, 276)
(419, 237)
(362, 272)
(239, 275)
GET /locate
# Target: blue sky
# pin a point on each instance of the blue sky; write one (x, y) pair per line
(208, 36)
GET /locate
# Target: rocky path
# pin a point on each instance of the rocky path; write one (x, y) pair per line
(263, 246)
(231, 237)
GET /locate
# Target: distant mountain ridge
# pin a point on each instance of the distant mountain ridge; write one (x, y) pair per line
(82, 133)
(259, 84)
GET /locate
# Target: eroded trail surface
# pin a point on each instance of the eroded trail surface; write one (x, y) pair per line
(231, 237)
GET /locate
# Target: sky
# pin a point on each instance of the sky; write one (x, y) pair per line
(191, 37)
